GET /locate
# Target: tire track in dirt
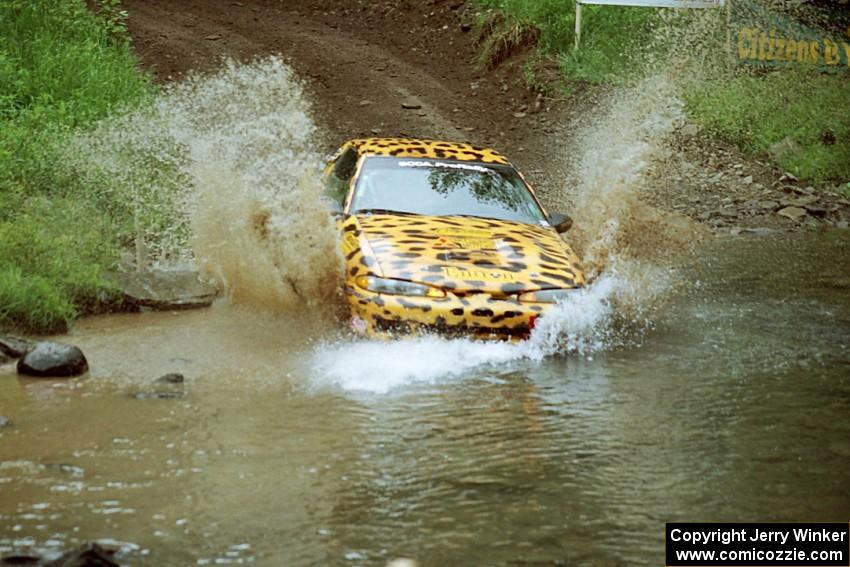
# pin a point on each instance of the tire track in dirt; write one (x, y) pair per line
(357, 86)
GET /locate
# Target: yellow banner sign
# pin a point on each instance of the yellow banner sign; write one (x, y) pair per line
(756, 44)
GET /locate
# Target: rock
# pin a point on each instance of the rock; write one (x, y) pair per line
(788, 177)
(768, 205)
(793, 213)
(20, 560)
(759, 230)
(165, 289)
(690, 130)
(48, 359)
(842, 224)
(14, 346)
(88, 555)
(70, 470)
(800, 201)
(365, 102)
(172, 388)
(798, 190)
(410, 105)
(519, 114)
(748, 180)
(171, 378)
(402, 562)
(783, 148)
(213, 37)
(175, 395)
(5, 422)
(465, 27)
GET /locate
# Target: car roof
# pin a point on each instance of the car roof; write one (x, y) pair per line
(435, 149)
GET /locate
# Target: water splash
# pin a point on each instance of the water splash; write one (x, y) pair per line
(220, 170)
(234, 188)
(620, 148)
(586, 323)
(626, 245)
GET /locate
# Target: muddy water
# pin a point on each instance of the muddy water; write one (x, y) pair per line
(734, 407)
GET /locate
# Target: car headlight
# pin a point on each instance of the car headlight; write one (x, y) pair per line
(398, 287)
(547, 295)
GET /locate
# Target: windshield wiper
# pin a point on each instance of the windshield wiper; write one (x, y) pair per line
(473, 217)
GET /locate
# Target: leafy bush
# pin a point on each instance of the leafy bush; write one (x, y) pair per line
(62, 67)
(30, 300)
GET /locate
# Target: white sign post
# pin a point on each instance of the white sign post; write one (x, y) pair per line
(646, 3)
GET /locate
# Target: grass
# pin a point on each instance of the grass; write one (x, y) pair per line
(610, 35)
(62, 68)
(796, 117)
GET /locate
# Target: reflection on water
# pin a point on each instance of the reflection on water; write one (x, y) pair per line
(734, 408)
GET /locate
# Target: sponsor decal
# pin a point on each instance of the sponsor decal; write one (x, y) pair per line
(464, 232)
(474, 243)
(349, 243)
(466, 238)
(446, 165)
(479, 275)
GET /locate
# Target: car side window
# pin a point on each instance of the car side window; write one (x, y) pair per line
(336, 184)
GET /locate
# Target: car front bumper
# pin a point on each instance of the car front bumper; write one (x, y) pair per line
(474, 315)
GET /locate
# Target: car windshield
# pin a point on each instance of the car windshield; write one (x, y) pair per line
(443, 188)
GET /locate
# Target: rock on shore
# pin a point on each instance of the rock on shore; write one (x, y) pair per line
(49, 359)
(14, 347)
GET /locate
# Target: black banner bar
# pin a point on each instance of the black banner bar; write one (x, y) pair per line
(757, 545)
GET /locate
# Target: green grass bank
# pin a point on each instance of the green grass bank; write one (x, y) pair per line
(62, 68)
(795, 115)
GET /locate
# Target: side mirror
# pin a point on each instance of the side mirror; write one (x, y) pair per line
(561, 222)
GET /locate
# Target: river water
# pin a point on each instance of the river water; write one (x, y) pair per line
(734, 406)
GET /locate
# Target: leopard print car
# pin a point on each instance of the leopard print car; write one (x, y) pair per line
(409, 270)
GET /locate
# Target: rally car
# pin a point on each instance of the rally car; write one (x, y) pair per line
(445, 237)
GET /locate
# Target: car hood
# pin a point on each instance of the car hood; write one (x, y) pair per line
(468, 253)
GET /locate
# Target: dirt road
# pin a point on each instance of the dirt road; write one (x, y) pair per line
(406, 68)
(372, 69)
